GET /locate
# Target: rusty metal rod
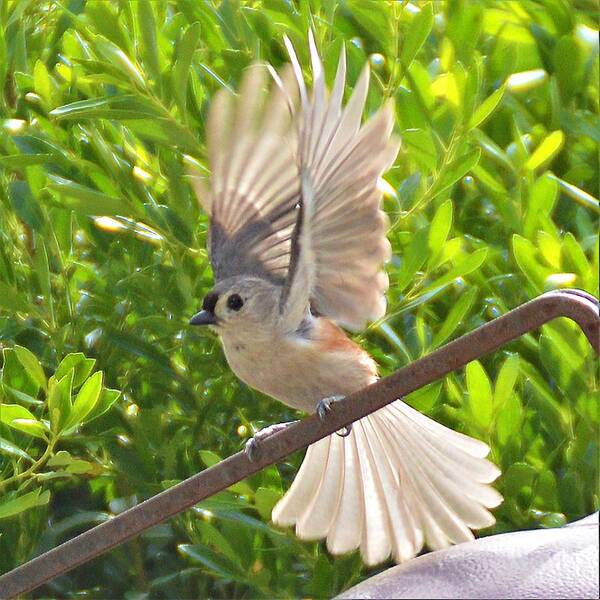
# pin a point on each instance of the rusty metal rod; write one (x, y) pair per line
(574, 304)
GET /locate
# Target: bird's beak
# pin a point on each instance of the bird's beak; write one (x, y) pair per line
(204, 317)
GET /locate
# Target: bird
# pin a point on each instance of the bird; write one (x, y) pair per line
(297, 243)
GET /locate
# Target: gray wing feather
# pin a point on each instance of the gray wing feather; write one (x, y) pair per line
(343, 239)
(255, 186)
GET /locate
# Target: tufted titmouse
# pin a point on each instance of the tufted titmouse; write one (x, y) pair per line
(297, 242)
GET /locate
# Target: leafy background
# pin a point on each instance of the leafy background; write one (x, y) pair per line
(491, 202)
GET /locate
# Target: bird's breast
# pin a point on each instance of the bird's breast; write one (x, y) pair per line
(299, 371)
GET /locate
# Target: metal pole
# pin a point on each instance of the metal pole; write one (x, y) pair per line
(574, 304)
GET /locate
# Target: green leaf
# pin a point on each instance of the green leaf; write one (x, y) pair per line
(562, 361)
(546, 402)
(375, 19)
(181, 69)
(550, 249)
(414, 258)
(509, 419)
(116, 57)
(86, 400)
(467, 265)
(42, 82)
(425, 399)
(121, 106)
(209, 458)
(86, 200)
(11, 449)
(573, 257)
(61, 459)
(16, 379)
(59, 400)
(456, 170)
(507, 377)
(32, 365)
(22, 396)
(487, 108)
(11, 299)
(568, 66)
(79, 467)
(418, 32)
(213, 537)
(547, 150)
(149, 48)
(542, 199)
(264, 501)
(18, 417)
(440, 227)
(107, 398)
(15, 506)
(421, 148)
(79, 364)
(42, 269)
(525, 252)
(480, 394)
(165, 131)
(455, 316)
(491, 182)
(212, 561)
(519, 479)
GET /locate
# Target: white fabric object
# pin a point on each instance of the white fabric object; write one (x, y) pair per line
(543, 563)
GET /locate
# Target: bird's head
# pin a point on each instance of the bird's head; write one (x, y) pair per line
(239, 305)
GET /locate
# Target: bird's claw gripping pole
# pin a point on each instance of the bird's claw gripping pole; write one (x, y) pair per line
(574, 304)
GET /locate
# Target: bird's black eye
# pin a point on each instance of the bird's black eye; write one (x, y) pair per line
(235, 302)
(210, 301)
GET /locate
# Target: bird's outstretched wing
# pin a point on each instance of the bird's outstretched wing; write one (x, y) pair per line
(255, 189)
(339, 244)
(293, 195)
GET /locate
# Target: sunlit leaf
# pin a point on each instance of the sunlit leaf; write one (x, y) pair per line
(487, 107)
(181, 69)
(147, 22)
(107, 399)
(440, 227)
(77, 362)
(480, 394)
(18, 417)
(417, 34)
(456, 170)
(87, 200)
(59, 400)
(14, 506)
(114, 55)
(455, 317)
(467, 265)
(32, 365)
(86, 400)
(548, 148)
(506, 380)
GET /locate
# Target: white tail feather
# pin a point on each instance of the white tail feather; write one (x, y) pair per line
(398, 481)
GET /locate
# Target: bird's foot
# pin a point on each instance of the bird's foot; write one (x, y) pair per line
(252, 448)
(324, 408)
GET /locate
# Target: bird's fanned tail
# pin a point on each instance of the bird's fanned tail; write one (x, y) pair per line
(397, 482)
